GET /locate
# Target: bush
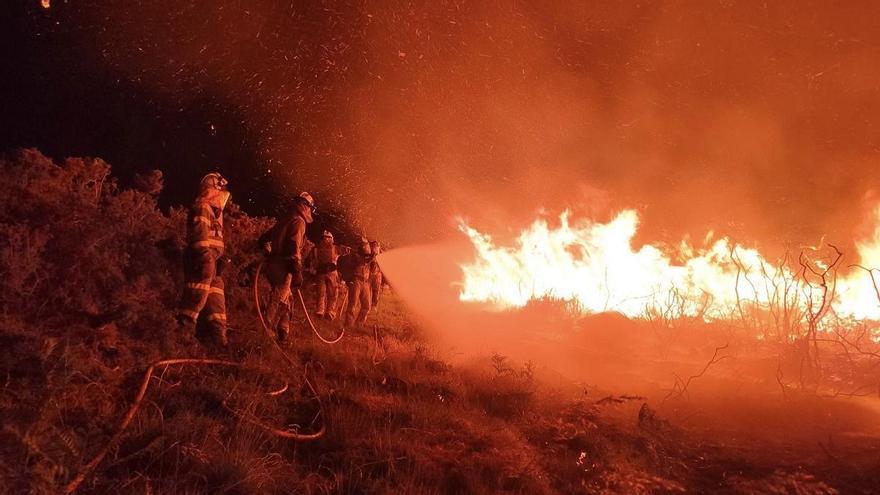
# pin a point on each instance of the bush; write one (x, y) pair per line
(89, 277)
(60, 259)
(74, 247)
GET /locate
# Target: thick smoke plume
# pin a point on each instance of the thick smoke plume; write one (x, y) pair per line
(753, 119)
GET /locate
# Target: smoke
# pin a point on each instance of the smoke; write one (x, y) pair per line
(750, 119)
(704, 377)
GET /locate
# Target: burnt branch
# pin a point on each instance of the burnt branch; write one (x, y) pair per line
(681, 386)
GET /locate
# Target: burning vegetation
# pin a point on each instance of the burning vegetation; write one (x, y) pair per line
(810, 301)
(595, 266)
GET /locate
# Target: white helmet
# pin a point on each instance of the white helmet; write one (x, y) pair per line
(213, 181)
(307, 198)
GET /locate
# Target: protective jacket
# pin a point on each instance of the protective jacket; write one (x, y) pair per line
(325, 257)
(204, 229)
(288, 238)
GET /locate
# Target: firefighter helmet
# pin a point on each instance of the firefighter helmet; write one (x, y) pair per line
(307, 200)
(213, 181)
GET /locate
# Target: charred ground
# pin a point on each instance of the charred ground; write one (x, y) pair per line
(89, 274)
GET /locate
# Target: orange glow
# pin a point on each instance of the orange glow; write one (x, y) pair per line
(595, 266)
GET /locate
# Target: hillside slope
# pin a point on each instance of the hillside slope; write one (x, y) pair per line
(89, 274)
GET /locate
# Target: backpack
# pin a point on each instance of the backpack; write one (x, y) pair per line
(346, 265)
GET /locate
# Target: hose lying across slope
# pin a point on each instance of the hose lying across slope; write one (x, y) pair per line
(142, 391)
(145, 383)
(302, 302)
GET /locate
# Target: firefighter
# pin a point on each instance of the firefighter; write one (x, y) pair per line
(285, 244)
(375, 274)
(328, 279)
(342, 252)
(204, 260)
(356, 271)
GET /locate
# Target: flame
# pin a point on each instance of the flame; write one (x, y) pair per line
(595, 266)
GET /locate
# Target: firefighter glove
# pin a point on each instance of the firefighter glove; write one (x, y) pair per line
(296, 279)
(222, 263)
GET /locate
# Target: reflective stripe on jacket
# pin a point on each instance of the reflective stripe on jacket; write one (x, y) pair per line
(204, 228)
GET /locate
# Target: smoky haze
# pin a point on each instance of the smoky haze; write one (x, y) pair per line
(752, 119)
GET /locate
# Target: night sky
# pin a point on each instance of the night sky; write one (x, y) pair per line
(753, 119)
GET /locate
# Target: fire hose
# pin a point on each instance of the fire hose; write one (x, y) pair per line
(142, 391)
(302, 303)
(77, 480)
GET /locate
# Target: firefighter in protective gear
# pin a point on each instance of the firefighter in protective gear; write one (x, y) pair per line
(328, 278)
(203, 259)
(342, 252)
(285, 242)
(375, 274)
(359, 298)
